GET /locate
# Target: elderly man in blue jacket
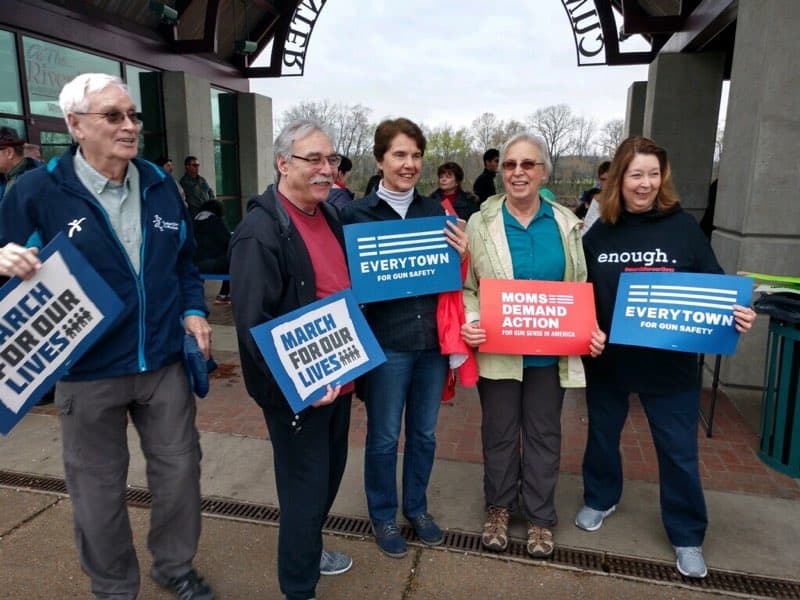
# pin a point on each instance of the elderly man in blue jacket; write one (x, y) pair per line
(128, 220)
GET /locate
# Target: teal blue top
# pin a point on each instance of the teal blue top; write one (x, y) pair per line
(537, 252)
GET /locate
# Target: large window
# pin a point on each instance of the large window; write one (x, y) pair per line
(226, 154)
(48, 67)
(10, 96)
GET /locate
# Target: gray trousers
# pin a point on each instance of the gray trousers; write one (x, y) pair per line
(521, 431)
(94, 418)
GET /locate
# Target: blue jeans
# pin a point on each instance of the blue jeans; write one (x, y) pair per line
(414, 381)
(673, 425)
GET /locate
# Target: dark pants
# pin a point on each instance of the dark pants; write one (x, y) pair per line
(673, 425)
(309, 464)
(94, 422)
(521, 432)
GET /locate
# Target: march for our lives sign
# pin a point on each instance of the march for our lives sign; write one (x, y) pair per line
(46, 324)
(690, 312)
(326, 342)
(401, 258)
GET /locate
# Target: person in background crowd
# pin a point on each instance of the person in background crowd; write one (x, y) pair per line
(588, 195)
(522, 235)
(340, 194)
(135, 370)
(195, 188)
(13, 162)
(165, 162)
(640, 213)
(411, 380)
(464, 203)
(484, 183)
(212, 237)
(289, 252)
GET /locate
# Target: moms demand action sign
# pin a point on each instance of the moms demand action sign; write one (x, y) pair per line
(551, 318)
(326, 342)
(691, 312)
(46, 324)
(397, 259)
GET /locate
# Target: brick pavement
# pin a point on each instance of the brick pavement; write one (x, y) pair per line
(728, 461)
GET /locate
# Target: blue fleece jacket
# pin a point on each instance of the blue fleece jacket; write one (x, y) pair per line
(148, 334)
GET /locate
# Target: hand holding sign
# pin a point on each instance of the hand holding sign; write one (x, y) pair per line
(548, 318)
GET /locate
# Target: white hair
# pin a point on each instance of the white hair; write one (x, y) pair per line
(534, 140)
(73, 96)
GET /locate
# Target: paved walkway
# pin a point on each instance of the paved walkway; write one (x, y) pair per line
(755, 517)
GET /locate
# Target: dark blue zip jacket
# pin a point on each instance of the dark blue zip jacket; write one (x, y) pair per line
(148, 334)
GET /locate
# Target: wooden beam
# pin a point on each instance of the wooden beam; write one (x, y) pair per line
(208, 43)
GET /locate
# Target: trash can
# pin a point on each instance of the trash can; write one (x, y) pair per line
(780, 426)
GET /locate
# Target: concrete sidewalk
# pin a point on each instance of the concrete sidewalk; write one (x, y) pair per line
(750, 534)
(758, 535)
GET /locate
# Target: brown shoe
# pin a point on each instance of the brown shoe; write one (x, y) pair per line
(540, 541)
(495, 530)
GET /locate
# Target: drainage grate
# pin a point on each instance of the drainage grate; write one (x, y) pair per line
(588, 560)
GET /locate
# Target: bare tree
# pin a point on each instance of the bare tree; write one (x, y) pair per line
(349, 125)
(486, 131)
(583, 137)
(556, 125)
(611, 136)
(719, 142)
(510, 128)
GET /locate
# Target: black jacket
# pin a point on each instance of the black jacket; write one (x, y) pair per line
(465, 204)
(653, 241)
(271, 275)
(484, 185)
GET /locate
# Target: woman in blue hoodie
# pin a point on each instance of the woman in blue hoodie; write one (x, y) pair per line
(642, 227)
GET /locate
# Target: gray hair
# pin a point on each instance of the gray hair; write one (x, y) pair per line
(531, 139)
(73, 96)
(295, 130)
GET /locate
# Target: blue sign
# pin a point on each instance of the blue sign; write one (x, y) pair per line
(401, 258)
(46, 324)
(326, 342)
(690, 312)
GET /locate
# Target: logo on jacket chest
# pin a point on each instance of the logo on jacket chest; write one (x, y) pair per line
(163, 225)
(75, 226)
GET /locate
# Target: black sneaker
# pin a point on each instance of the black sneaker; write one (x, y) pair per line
(189, 586)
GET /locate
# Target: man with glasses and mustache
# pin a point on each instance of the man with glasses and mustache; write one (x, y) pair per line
(195, 188)
(135, 370)
(288, 252)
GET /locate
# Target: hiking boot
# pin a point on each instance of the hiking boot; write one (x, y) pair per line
(691, 562)
(426, 529)
(540, 541)
(495, 529)
(590, 519)
(389, 539)
(334, 563)
(189, 586)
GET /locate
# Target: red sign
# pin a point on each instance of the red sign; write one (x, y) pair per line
(551, 318)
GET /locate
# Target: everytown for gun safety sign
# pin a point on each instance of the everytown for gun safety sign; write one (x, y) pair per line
(401, 258)
(690, 312)
(325, 342)
(547, 318)
(46, 324)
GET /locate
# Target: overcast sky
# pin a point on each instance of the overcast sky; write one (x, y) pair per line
(447, 61)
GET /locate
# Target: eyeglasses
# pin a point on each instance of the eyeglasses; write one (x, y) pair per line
(527, 165)
(316, 160)
(115, 117)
